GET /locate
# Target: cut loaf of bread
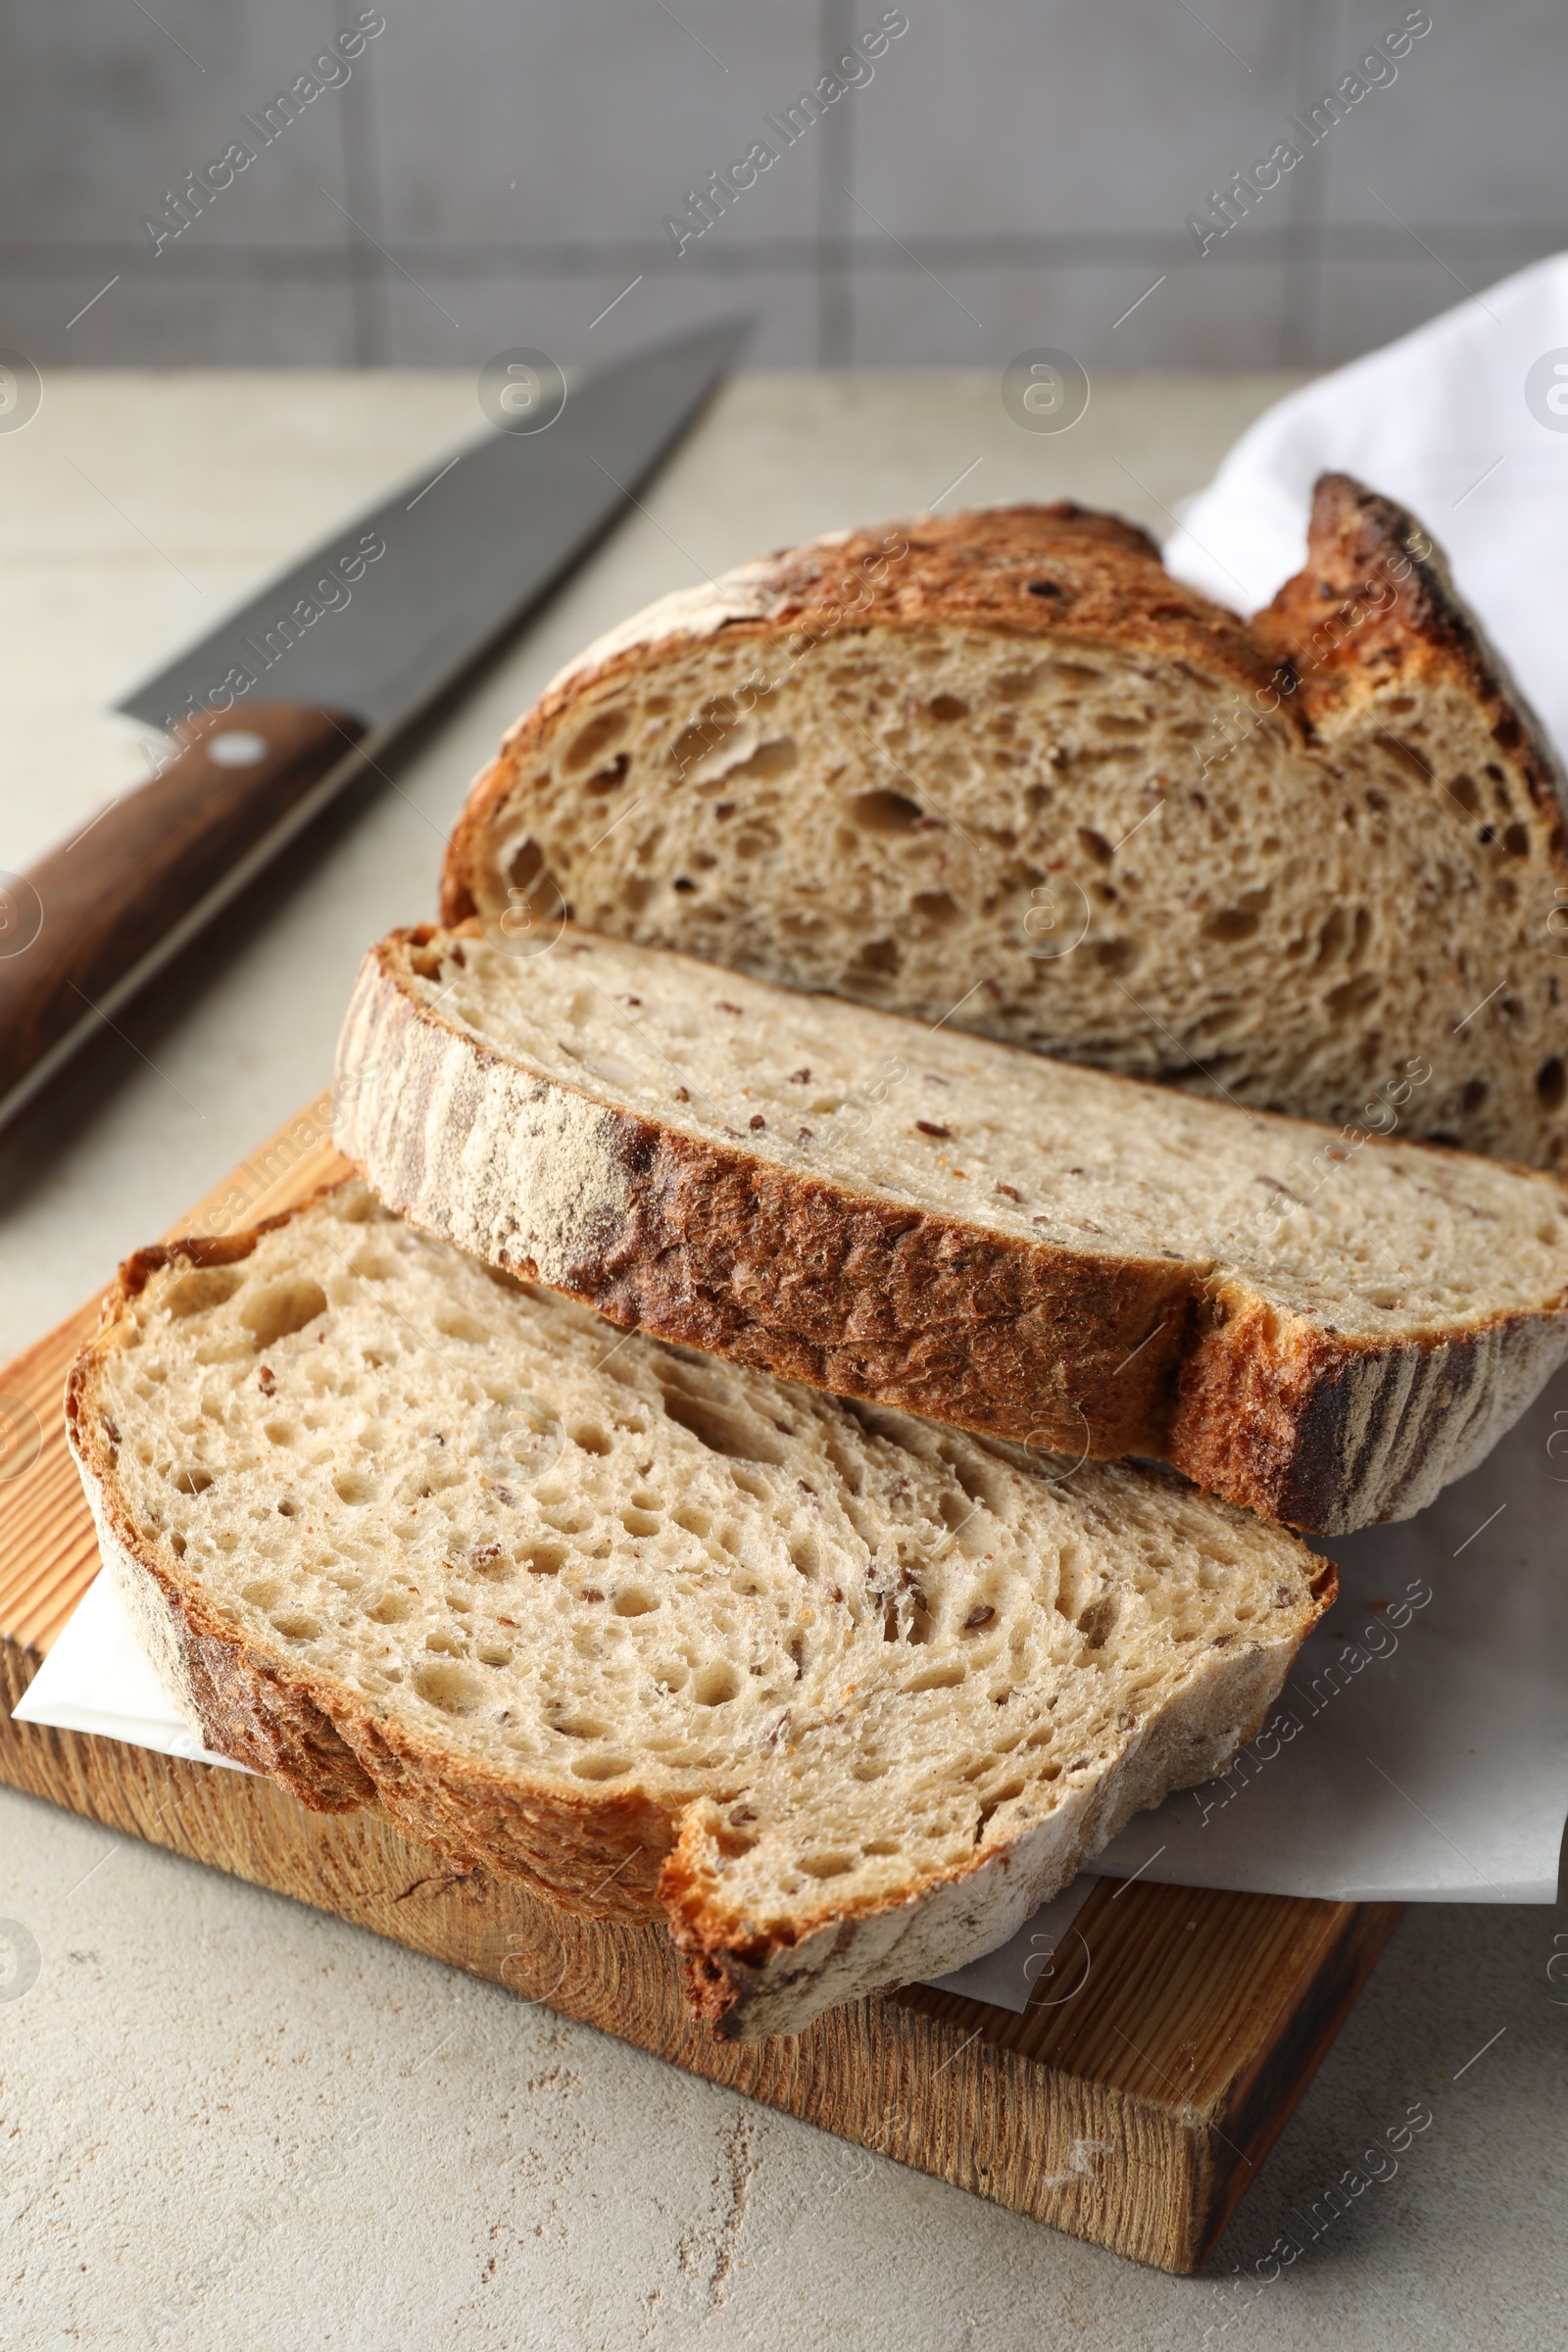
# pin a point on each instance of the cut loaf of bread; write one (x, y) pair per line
(1001, 770)
(1324, 1331)
(838, 1695)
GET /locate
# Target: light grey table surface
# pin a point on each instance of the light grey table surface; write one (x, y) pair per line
(226, 2119)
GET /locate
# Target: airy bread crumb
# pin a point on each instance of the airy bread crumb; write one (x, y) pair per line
(840, 1694)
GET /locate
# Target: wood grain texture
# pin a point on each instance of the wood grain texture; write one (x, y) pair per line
(1131, 2104)
(93, 910)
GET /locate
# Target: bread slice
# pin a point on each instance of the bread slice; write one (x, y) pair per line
(1001, 770)
(840, 1695)
(1324, 1330)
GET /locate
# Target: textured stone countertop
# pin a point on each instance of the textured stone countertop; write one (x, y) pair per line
(170, 2081)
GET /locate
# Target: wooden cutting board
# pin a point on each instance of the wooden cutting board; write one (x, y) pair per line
(1132, 2103)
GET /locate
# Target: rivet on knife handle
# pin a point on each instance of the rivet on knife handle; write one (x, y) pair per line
(86, 926)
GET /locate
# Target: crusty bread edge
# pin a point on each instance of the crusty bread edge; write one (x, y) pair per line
(1327, 629)
(1333, 1435)
(1310, 1428)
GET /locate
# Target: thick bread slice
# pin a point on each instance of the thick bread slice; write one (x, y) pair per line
(1326, 1330)
(838, 1695)
(1001, 770)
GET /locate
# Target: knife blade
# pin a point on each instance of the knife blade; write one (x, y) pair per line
(282, 704)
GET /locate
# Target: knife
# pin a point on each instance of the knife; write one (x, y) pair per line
(293, 695)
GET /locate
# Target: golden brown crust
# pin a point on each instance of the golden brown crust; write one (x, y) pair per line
(1031, 571)
(796, 1275)
(1374, 610)
(1287, 1419)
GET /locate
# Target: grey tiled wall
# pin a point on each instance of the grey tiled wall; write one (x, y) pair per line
(1015, 173)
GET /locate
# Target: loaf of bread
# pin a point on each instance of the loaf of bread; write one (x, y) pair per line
(840, 1695)
(1001, 772)
(1323, 1331)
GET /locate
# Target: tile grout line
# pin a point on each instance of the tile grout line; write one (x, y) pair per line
(833, 265)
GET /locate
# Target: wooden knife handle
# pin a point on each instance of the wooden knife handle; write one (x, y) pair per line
(93, 918)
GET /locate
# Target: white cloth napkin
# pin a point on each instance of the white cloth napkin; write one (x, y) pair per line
(1466, 422)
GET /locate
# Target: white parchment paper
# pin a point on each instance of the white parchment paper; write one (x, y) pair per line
(96, 1679)
(1419, 1752)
